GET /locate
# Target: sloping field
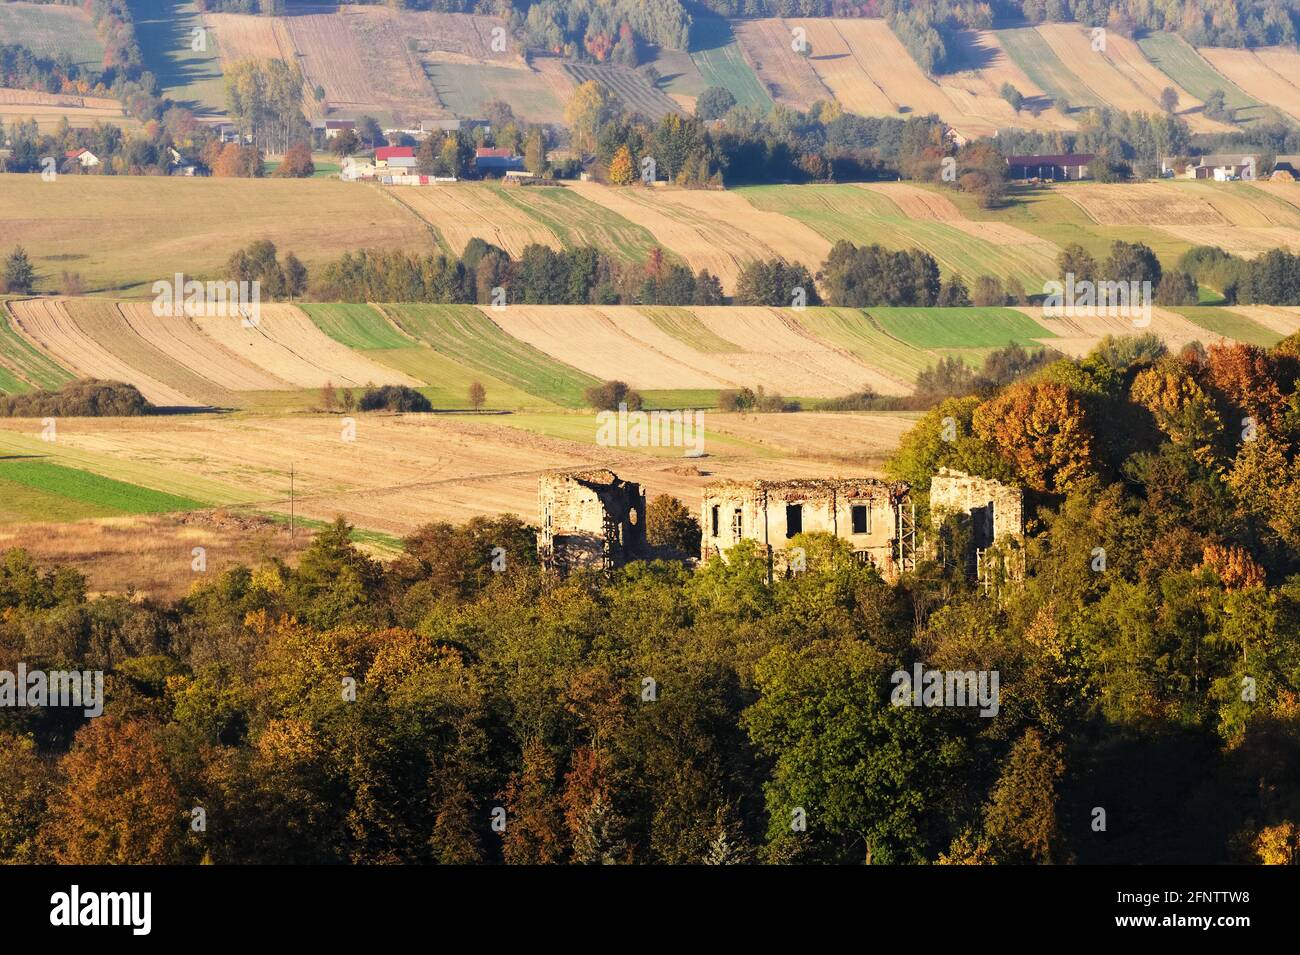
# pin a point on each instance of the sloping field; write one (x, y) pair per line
(367, 329)
(838, 68)
(50, 30)
(1150, 203)
(1268, 74)
(1040, 63)
(47, 323)
(864, 216)
(1078, 335)
(780, 350)
(469, 337)
(1280, 320)
(721, 62)
(788, 76)
(241, 36)
(1120, 75)
(945, 328)
(589, 339)
(628, 85)
(466, 88)
(682, 325)
(977, 88)
(126, 232)
(921, 203)
(103, 321)
(1225, 323)
(180, 339)
(710, 229)
(25, 365)
(165, 32)
(857, 332)
(1178, 60)
(287, 344)
(570, 215)
(466, 210)
(47, 108)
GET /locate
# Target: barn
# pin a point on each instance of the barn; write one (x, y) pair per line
(1070, 166)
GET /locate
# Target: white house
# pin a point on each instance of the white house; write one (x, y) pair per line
(85, 157)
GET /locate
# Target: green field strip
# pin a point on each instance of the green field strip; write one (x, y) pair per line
(1232, 325)
(959, 328)
(1031, 53)
(717, 55)
(578, 221)
(668, 399)
(102, 321)
(10, 384)
(1176, 58)
(94, 490)
(465, 88)
(358, 326)
(30, 363)
(447, 381)
(864, 217)
(684, 326)
(858, 333)
(193, 78)
(470, 338)
(144, 473)
(21, 504)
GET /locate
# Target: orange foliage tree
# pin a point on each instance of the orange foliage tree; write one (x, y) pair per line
(1181, 407)
(1041, 429)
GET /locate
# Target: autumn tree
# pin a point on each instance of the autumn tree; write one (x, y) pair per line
(622, 171)
(1042, 430)
(477, 395)
(588, 108)
(668, 523)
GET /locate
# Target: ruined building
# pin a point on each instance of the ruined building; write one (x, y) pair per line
(996, 514)
(875, 517)
(589, 518)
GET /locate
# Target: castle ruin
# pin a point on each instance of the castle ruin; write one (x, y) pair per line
(589, 518)
(876, 518)
(996, 513)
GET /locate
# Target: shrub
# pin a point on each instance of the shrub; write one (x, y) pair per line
(86, 398)
(393, 398)
(608, 396)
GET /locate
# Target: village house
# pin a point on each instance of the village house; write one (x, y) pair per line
(1071, 166)
(1220, 168)
(396, 158)
(333, 128)
(84, 157)
(589, 518)
(876, 518)
(498, 161)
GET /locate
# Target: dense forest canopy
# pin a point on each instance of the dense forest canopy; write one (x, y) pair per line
(347, 711)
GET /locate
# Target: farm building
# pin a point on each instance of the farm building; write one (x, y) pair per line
(332, 128)
(996, 512)
(1286, 169)
(84, 157)
(497, 160)
(1222, 168)
(1069, 166)
(589, 518)
(876, 518)
(395, 157)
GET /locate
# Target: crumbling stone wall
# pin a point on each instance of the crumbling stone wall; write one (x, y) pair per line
(589, 518)
(997, 510)
(861, 511)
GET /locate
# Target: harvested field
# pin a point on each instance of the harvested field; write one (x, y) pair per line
(1288, 192)
(1268, 74)
(709, 229)
(151, 555)
(466, 335)
(47, 108)
(1278, 319)
(1120, 75)
(1247, 243)
(864, 216)
(107, 227)
(628, 85)
(466, 88)
(872, 437)
(589, 339)
(1144, 203)
(245, 37)
(1040, 63)
(923, 204)
(1174, 57)
(466, 210)
(182, 341)
(784, 356)
(570, 215)
(104, 322)
(857, 332)
(1078, 335)
(49, 30)
(977, 87)
(286, 344)
(47, 323)
(788, 76)
(1231, 324)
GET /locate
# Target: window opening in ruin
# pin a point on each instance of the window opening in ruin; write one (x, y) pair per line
(736, 525)
(715, 520)
(793, 519)
(861, 519)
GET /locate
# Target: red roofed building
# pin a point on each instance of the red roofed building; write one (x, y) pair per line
(384, 153)
(83, 156)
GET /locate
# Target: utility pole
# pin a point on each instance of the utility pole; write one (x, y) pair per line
(291, 503)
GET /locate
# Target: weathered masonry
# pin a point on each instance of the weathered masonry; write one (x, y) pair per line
(589, 518)
(875, 517)
(996, 512)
